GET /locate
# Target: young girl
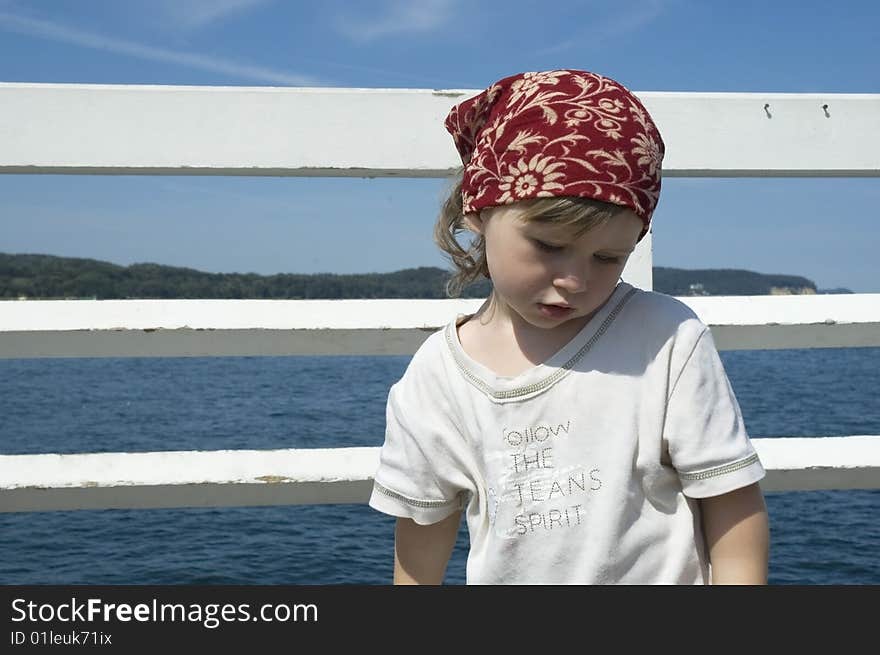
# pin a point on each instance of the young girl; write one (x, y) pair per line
(586, 427)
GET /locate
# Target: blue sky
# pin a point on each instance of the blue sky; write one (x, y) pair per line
(818, 228)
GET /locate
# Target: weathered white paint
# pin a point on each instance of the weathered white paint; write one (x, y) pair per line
(808, 463)
(339, 475)
(185, 479)
(847, 308)
(179, 130)
(71, 328)
(798, 321)
(64, 315)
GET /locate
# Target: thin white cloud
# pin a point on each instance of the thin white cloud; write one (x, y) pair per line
(66, 34)
(398, 17)
(623, 21)
(196, 14)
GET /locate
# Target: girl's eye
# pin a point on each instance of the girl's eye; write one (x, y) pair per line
(608, 260)
(546, 247)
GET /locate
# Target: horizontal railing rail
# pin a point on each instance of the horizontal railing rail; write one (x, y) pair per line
(142, 328)
(179, 130)
(234, 478)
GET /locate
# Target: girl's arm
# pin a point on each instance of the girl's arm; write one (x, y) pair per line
(737, 535)
(421, 552)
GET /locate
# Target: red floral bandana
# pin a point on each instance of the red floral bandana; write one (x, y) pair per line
(558, 133)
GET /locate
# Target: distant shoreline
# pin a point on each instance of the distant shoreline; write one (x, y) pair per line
(44, 277)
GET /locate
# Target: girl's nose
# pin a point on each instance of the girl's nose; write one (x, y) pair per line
(570, 282)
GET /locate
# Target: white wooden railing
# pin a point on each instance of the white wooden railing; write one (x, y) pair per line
(154, 130)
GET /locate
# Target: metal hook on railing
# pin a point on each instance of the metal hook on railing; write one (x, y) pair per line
(825, 109)
(767, 109)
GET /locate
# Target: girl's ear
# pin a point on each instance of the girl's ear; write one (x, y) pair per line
(474, 222)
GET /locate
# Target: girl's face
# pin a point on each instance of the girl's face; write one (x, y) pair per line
(543, 274)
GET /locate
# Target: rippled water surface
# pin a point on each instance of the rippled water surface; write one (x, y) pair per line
(109, 405)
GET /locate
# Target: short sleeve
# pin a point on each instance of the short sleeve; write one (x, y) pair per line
(422, 471)
(704, 429)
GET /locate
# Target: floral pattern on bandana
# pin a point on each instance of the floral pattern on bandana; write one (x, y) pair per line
(558, 133)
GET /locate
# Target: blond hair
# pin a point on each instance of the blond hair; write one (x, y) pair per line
(580, 214)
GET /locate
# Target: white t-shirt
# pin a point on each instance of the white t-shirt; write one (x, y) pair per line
(584, 469)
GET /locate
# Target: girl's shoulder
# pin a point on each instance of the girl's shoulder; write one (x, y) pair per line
(663, 316)
(431, 380)
(662, 305)
(429, 363)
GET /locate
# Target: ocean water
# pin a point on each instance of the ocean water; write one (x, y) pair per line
(145, 404)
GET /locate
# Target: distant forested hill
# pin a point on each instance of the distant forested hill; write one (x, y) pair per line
(45, 276)
(727, 282)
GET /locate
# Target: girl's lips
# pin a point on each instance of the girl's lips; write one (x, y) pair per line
(555, 311)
